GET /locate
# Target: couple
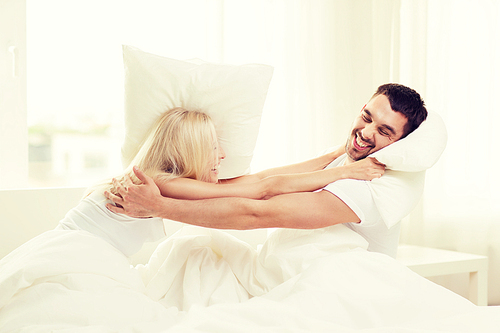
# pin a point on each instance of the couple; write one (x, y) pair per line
(175, 177)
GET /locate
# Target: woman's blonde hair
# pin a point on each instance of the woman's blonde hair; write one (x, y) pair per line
(180, 144)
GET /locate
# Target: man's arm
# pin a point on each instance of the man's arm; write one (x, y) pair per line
(296, 210)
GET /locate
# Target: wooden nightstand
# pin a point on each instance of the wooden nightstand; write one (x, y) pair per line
(429, 262)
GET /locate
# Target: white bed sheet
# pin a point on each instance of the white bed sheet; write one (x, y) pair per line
(202, 280)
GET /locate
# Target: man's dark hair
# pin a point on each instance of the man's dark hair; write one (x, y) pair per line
(407, 101)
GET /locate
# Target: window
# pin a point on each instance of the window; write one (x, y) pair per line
(74, 78)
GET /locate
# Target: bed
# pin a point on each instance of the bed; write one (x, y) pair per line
(205, 280)
(202, 280)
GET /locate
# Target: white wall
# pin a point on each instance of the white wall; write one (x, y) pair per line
(25, 214)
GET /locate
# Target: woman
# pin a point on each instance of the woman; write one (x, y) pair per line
(182, 155)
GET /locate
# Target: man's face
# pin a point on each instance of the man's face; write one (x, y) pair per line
(374, 128)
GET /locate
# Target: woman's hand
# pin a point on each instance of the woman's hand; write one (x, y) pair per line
(135, 200)
(366, 169)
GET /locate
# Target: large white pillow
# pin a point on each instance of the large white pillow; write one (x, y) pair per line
(399, 190)
(233, 96)
(396, 194)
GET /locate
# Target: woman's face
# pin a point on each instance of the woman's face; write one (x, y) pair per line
(219, 155)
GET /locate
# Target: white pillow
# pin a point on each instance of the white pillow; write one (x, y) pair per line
(419, 150)
(399, 190)
(233, 96)
(396, 194)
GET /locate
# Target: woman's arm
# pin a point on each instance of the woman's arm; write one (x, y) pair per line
(365, 169)
(315, 164)
(185, 188)
(255, 186)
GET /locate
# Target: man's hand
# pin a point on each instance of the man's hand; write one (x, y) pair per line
(135, 200)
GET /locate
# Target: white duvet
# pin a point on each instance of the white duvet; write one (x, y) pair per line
(202, 280)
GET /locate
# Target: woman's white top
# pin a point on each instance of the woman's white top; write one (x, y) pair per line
(126, 233)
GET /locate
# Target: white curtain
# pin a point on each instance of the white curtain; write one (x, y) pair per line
(329, 57)
(457, 67)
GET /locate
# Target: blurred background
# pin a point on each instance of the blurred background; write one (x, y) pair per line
(61, 88)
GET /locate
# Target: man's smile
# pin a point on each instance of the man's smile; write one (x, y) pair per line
(359, 144)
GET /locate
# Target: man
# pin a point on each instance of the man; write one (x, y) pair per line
(393, 112)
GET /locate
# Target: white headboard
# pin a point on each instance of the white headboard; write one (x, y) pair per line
(27, 213)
